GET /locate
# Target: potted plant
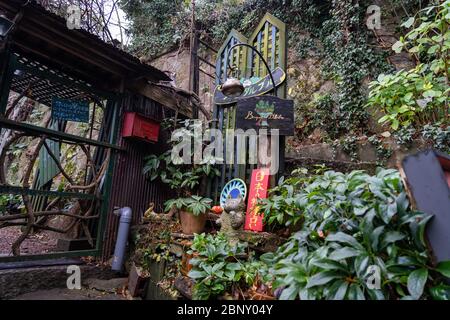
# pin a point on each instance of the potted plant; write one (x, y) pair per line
(193, 212)
(188, 180)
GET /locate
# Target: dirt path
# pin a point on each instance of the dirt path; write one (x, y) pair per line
(66, 294)
(38, 243)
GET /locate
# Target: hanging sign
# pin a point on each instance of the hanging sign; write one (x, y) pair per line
(258, 190)
(266, 111)
(258, 88)
(70, 110)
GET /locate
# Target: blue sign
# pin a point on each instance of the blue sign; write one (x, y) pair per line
(70, 110)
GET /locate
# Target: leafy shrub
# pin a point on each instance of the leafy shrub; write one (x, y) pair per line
(219, 266)
(194, 204)
(353, 221)
(182, 177)
(177, 175)
(420, 95)
(10, 204)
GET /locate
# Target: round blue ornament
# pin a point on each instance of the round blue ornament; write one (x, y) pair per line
(232, 190)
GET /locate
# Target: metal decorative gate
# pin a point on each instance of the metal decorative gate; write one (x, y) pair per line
(41, 196)
(269, 38)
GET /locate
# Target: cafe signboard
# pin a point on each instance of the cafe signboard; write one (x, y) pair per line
(266, 112)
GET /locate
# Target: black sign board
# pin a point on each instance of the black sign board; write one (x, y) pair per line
(266, 111)
(427, 176)
(259, 88)
(70, 110)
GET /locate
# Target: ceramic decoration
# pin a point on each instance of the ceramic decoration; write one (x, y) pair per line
(233, 189)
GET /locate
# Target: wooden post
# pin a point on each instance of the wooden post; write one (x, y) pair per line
(194, 65)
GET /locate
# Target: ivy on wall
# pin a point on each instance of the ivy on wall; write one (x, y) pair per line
(331, 33)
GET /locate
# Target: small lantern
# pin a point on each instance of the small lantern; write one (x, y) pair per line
(232, 88)
(5, 26)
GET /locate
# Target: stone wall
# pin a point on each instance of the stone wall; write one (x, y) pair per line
(176, 64)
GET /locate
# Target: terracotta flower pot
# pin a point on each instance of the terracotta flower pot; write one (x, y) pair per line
(191, 224)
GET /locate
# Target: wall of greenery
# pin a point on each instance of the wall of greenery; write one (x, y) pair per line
(334, 36)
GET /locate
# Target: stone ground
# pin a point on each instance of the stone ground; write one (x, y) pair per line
(93, 289)
(38, 243)
(66, 294)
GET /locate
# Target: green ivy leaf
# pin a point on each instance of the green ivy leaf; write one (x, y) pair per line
(398, 46)
(408, 23)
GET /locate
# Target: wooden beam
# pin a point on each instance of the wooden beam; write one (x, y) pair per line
(207, 62)
(167, 99)
(206, 73)
(208, 46)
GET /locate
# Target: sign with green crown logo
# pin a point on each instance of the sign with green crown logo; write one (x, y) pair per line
(266, 112)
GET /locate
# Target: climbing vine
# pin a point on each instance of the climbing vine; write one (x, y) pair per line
(332, 57)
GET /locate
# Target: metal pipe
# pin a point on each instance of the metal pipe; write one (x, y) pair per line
(125, 215)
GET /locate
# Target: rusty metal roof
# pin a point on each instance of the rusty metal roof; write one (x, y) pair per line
(45, 35)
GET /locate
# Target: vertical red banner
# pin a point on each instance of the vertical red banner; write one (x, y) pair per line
(258, 190)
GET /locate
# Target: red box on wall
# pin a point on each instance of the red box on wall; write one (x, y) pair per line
(140, 127)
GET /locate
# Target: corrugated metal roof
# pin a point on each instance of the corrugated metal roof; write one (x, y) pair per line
(13, 6)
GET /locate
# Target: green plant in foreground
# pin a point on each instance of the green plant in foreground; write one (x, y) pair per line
(219, 266)
(353, 221)
(195, 204)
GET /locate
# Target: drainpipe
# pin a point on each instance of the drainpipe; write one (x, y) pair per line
(122, 237)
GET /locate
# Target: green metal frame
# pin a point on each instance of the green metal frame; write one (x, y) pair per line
(52, 134)
(31, 192)
(270, 38)
(113, 101)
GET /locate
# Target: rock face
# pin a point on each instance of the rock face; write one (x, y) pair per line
(176, 65)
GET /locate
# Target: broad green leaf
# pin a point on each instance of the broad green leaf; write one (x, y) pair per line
(416, 282)
(344, 238)
(375, 236)
(344, 253)
(328, 264)
(391, 237)
(355, 292)
(341, 291)
(321, 278)
(195, 274)
(444, 268)
(289, 293)
(440, 292)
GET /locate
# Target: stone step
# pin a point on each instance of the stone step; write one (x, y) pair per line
(19, 281)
